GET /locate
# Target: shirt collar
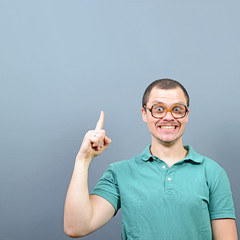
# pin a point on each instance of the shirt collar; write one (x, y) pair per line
(192, 155)
(146, 154)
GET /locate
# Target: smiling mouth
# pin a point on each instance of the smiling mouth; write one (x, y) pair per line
(168, 127)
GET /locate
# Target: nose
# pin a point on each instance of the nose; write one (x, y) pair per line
(168, 117)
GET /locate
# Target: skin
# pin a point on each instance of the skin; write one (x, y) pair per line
(84, 214)
(224, 229)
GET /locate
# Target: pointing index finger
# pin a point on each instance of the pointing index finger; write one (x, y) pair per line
(100, 122)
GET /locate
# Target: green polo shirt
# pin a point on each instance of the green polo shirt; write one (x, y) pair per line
(162, 203)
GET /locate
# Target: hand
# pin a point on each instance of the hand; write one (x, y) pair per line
(95, 141)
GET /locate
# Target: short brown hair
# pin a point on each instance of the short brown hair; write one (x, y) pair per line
(165, 83)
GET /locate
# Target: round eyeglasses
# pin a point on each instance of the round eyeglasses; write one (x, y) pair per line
(160, 110)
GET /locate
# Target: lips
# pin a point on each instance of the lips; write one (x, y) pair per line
(168, 127)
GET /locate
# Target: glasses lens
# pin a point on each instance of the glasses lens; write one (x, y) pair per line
(158, 110)
(178, 111)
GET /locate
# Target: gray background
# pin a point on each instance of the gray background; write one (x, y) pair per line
(61, 62)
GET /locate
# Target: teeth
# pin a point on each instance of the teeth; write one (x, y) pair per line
(168, 127)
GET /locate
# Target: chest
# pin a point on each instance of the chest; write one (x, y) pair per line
(162, 201)
(158, 186)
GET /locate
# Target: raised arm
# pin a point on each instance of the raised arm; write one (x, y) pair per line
(84, 214)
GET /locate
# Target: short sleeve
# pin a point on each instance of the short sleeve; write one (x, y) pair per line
(107, 187)
(220, 199)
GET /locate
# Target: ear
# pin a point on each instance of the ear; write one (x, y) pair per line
(144, 115)
(187, 114)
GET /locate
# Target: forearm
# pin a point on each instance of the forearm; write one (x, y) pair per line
(78, 209)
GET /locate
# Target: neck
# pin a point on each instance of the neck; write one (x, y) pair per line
(169, 153)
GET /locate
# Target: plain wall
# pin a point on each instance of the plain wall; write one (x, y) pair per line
(61, 62)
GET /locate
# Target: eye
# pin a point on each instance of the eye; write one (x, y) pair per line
(158, 108)
(178, 109)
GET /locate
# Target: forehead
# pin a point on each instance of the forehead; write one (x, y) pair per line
(167, 96)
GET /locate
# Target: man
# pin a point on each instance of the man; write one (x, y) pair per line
(168, 192)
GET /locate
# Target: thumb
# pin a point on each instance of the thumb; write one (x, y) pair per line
(107, 141)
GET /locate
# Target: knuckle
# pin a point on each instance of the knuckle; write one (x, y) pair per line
(89, 132)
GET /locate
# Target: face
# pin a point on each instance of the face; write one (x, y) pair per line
(167, 130)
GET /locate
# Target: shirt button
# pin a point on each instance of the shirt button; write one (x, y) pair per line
(169, 179)
(163, 166)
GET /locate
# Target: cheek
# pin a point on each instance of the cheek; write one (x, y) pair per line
(183, 123)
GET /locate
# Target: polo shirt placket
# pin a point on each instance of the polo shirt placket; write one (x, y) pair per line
(168, 173)
(169, 181)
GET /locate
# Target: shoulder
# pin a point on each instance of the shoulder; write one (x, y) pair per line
(132, 162)
(207, 163)
(129, 167)
(212, 168)
(213, 171)
(211, 165)
(135, 161)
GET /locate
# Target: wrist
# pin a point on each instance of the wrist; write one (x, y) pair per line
(83, 161)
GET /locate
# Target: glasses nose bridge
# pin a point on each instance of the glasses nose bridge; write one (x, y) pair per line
(170, 111)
